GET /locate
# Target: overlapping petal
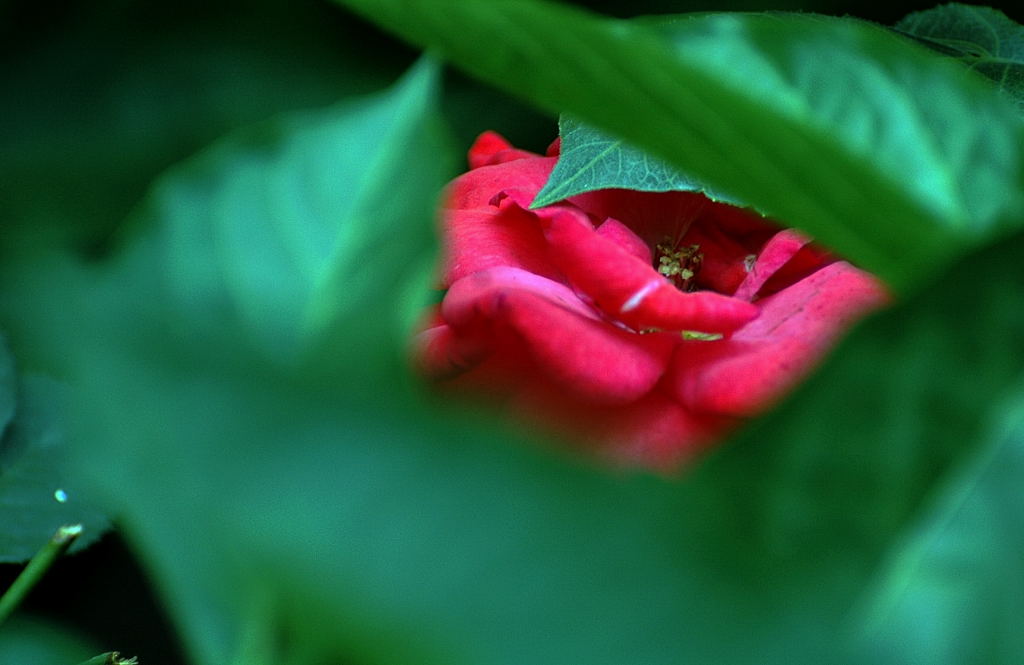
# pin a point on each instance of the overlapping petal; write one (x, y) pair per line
(482, 238)
(632, 291)
(745, 374)
(577, 349)
(560, 315)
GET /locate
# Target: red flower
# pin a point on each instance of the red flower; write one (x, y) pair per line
(648, 324)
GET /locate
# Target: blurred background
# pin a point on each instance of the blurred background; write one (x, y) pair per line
(100, 96)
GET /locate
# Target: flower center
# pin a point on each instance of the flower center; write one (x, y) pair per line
(680, 264)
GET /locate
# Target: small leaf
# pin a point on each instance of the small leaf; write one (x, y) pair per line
(37, 495)
(591, 160)
(983, 38)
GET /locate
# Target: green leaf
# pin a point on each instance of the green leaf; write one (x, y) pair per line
(277, 232)
(896, 158)
(954, 592)
(590, 159)
(982, 38)
(91, 118)
(8, 386)
(37, 491)
(387, 530)
(32, 641)
(314, 233)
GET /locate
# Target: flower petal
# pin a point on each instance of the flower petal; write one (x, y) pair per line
(479, 187)
(491, 237)
(653, 216)
(590, 358)
(630, 290)
(492, 148)
(746, 374)
(780, 249)
(621, 235)
(652, 431)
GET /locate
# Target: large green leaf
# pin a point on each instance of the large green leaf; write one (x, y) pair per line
(38, 643)
(8, 386)
(352, 521)
(896, 157)
(276, 232)
(590, 159)
(982, 38)
(91, 118)
(954, 592)
(38, 492)
(381, 530)
(309, 238)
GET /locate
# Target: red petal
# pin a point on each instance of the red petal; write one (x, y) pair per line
(491, 237)
(478, 188)
(630, 290)
(780, 249)
(658, 432)
(492, 148)
(746, 374)
(588, 357)
(653, 431)
(653, 216)
(439, 353)
(621, 235)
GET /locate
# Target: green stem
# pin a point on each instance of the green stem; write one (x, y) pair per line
(111, 658)
(37, 567)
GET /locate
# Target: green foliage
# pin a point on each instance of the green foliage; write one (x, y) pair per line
(357, 514)
(959, 572)
(92, 117)
(38, 492)
(590, 160)
(982, 38)
(8, 386)
(836, 127)
(39, 643)
(278, 232)
(241, 405)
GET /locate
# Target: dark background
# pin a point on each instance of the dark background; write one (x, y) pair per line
(99, 97)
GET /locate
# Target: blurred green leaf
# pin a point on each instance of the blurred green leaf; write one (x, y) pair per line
(982, 38)
(590, 159)
(100, 97)
(8, 386)
(33, 642)
(310, 233)
(37, 491)
(277, 232)
(954, 591)
(896, 158)
(366, 524)
(388, 531)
